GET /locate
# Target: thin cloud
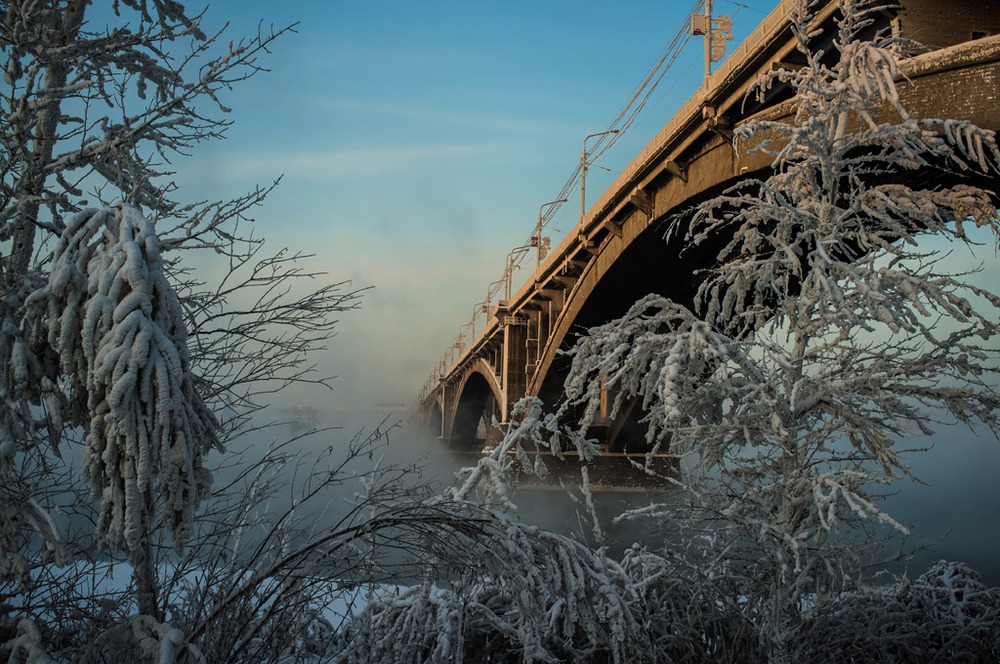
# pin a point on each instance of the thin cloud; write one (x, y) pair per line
(449, 117)
(349, 164)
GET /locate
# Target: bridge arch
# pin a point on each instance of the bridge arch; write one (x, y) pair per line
(479, 399)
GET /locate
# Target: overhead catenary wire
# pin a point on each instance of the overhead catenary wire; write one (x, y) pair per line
(628, 113)
(740, 5)
(626, 117)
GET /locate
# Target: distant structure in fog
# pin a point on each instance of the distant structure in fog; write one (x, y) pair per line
(303, 415)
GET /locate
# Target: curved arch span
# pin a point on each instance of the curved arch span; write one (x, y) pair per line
(478, 403)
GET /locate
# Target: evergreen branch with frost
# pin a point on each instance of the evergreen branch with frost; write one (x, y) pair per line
(111, 108)
(108, 107)
(531, 594)
(119, 329)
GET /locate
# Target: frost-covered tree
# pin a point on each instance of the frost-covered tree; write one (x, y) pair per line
(108, 339)
(118, 328)
(824, 332)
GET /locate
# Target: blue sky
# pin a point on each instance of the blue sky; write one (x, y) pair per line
(417, 140)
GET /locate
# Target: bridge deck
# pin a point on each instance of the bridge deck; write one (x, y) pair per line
(689, 158)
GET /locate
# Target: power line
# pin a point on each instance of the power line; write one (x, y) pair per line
(619, 125)
(743, 6)
(637, 101)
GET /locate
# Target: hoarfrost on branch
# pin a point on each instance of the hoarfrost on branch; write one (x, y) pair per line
(824, 329)
(119, 328)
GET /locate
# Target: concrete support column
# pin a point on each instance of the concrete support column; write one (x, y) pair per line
(448, 405)
(514, 377)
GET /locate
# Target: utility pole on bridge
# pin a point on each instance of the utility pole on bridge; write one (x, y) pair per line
(716, 32)
(538, 230)
(708, 41)
(583, 171)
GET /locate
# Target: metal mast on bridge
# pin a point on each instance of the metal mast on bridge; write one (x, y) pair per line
(717, 31)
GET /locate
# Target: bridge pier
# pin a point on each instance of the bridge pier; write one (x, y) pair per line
(514, 375)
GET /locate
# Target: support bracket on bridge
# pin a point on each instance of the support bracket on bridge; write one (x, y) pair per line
(786, 66)
(613, 226)
(721, 126)
(589, 244)
(679, 171)
(551, 293)
(570, 272)
(642, 201)
(717, 123)
(567, 281)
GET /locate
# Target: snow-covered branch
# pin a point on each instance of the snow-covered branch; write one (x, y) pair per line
(119, 329)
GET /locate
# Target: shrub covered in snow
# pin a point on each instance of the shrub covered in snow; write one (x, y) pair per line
(526, 595)
(116, 362)
(945, 615)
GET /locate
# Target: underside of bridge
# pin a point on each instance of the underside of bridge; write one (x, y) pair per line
(474, 414)
(624, 253)
(656, 264)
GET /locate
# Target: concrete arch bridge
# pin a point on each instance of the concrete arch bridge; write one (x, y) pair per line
(618, 253)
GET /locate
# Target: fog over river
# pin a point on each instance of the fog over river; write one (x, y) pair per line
(953, 514)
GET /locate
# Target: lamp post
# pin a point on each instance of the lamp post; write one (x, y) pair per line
(538, 229)
(461, 336)
(583, 170)
(509, 272)
(708, 42)
(489, 292)
(476, 310)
